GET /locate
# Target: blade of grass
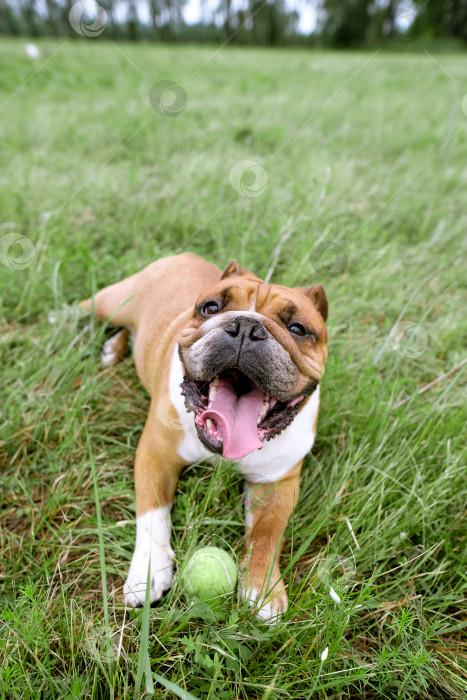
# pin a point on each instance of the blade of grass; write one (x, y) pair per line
(144, 665)
(100, 535)
(174, 688)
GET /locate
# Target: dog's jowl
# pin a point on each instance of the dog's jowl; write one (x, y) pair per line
(233, 367)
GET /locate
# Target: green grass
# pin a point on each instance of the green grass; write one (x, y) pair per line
(365, 158)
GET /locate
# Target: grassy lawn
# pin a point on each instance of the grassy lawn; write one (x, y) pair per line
(364, 161)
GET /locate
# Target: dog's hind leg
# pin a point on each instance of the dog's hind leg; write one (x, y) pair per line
(119, 303)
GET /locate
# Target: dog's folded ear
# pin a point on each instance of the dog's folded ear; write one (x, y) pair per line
(318, 297)
(234, 269)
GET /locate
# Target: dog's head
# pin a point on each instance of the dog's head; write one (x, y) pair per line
(252, 353)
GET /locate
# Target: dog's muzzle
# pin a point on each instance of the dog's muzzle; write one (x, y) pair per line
(242, 385)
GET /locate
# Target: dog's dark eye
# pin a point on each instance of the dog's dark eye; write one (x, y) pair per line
(297, 329)
(210, 308)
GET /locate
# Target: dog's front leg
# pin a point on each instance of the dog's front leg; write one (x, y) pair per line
(268, 508)
(157, 468)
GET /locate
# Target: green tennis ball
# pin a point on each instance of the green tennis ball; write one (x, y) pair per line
(208, 573)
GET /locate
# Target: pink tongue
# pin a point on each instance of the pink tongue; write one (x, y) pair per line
(236, 418)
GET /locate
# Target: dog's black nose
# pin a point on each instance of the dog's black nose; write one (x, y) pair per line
(258, 332)
(232, 328)
(246, 328)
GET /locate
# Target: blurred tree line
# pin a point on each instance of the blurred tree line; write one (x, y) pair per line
(339, 23)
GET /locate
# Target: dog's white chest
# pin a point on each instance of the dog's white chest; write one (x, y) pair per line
(267, 465)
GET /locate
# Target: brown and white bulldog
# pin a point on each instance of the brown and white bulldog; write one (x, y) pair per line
(233, 367)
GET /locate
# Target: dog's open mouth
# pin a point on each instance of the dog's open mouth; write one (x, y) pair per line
(233, 415)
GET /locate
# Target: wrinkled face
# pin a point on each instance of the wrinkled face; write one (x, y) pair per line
(252, 353)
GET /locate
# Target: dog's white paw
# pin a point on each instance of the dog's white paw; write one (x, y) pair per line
(270, 610)
(115, 348)
(108, 353)
(160, 578)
